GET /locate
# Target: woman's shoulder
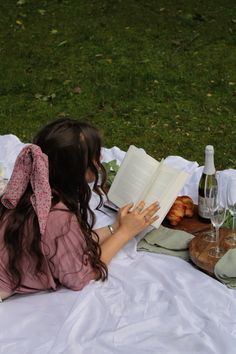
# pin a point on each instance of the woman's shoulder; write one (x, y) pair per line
(60, 219)
(59, 210)
(60, 206)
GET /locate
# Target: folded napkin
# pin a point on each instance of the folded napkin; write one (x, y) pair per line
(225, 269)
(166, 241)
(228, 223)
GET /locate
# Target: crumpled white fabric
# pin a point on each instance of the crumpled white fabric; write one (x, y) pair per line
(151, 304)
(10, 147)
(223, 179)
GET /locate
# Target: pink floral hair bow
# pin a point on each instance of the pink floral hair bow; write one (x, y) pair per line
(31, 166)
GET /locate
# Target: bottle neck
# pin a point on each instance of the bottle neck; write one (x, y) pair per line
(209, 168)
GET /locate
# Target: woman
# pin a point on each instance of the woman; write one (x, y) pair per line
(46, 224)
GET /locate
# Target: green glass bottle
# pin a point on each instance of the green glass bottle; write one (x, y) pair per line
(207, 180)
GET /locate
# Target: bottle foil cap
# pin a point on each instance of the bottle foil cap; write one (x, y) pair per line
(209, 148)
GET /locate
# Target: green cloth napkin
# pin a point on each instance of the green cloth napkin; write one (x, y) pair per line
(225, 269)
(166, 241)
(228, 223)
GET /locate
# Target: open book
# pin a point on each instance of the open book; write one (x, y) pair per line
(141, 177)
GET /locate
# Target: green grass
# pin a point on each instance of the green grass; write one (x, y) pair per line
(158, 74)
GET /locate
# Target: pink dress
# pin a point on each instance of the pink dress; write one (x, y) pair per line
(63, 245)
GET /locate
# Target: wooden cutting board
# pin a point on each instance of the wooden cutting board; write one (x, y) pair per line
(199, 247)
(192, 225)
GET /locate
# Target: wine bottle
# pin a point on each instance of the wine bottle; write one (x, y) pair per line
(207, 180)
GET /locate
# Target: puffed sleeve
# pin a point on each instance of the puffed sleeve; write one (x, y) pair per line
(66, 244)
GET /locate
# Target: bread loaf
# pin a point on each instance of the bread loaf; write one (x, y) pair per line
(183, 206)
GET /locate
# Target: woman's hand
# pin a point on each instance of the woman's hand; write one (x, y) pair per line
(133, 222)
(129, 223)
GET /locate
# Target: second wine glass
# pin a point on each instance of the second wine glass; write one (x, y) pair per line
(210, 194)
(217, 219)
(231, 204)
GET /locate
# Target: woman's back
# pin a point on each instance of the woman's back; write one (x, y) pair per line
(62, 246)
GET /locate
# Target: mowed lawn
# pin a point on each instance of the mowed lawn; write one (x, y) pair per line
(157, 74)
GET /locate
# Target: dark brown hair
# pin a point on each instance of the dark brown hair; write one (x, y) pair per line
(73, 147)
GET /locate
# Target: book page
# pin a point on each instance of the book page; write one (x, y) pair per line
(134, 175)
(165, 189)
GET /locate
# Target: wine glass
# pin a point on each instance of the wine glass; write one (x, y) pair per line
(210, 194)
(217, 219)
(231, 204)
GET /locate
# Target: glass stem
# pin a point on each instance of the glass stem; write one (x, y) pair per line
(212, 229)
(217, 238)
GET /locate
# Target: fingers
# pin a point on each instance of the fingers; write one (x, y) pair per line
(151, 220)
(148, 214)
(140, 206)
(133, 221)
(139, 209)
(151, 210)
(125, 209)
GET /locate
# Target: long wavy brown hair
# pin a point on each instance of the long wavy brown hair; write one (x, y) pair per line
(73, 148)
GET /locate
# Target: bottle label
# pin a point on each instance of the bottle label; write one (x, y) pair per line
(203, 210)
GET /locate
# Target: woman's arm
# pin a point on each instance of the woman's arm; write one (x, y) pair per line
(105, 232)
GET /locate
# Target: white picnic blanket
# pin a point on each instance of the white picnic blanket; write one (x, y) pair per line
(151, 303)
